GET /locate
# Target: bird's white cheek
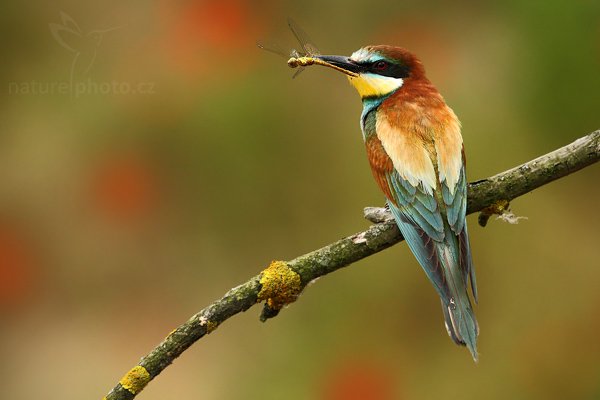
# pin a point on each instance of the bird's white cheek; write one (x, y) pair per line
(372, 85)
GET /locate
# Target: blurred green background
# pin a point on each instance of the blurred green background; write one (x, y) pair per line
(127, 207)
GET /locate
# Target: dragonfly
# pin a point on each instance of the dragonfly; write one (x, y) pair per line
(306, 56)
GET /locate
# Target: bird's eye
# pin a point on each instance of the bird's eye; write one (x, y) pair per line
(380, 66)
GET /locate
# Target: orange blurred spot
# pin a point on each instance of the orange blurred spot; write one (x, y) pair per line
(16, 268)
(206, 36)
(359, 380)
(125, 187)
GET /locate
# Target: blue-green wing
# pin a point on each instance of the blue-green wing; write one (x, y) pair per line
(434, 228)
(419, 218)
(456, 212)
(422, 219)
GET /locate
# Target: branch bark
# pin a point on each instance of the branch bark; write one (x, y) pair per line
(282, 282)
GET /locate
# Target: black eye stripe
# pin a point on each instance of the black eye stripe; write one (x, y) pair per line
(392, 69)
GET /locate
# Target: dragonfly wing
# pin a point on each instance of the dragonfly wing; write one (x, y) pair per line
(273, 48)
(305, 42)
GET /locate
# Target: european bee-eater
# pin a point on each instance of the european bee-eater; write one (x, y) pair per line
(415, 150)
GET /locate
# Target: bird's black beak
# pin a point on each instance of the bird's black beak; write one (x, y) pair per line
(340, 63)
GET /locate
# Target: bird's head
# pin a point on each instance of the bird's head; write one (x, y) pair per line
(377, 71)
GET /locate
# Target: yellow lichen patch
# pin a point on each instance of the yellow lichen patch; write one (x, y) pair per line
(211, 326)
(498, 207)
(280, 285)
(135, 380)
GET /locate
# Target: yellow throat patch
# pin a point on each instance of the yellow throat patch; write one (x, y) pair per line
(371, 85)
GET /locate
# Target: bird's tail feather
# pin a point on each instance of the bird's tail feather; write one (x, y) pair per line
(461, 325)
(448, 267)
(458, 312)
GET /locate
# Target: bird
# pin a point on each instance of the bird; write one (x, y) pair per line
(415, 149)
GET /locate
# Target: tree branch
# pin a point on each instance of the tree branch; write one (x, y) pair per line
(282, 282)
